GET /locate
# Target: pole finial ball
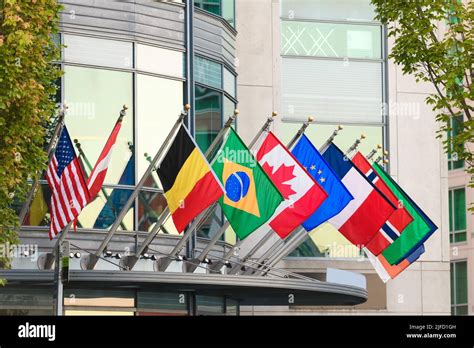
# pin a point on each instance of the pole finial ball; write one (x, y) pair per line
(363, 136)
(340, 127)
(385, 153)
(274, 114)
(310, 119)
(236, 112)
(76, 141)
(385, 161)
(187, 107)
(125, 107)
(379, 146)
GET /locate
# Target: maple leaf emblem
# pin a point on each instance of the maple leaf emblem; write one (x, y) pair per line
(280, 178)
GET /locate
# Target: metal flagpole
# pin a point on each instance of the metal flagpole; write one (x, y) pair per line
(302, 235)
(50, 151)
(89, 166)
(203, 255)
(269, 235)
(89, 261)
(163, 262)
(46, 261)
(373, 152)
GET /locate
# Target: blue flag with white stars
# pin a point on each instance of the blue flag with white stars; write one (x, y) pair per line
(338, 195)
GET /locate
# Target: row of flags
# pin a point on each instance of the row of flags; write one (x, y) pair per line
(283, 188)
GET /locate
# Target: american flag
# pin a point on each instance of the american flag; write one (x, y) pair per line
(68, 185)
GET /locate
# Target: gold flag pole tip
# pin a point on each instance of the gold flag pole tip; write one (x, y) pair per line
(310, 119)
(363, 136)
(274, 114)
(187, 107)
(236, 112)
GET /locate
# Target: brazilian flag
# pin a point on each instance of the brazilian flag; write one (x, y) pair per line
(250, 197)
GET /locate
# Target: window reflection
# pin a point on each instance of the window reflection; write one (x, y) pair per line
(208, 115)
(150, 206)
(159, 102)
(94, 98)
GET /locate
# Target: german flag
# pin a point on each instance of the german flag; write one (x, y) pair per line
(188, 181)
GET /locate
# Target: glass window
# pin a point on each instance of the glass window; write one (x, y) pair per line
(213, 6)
(208, 72)
(94, 98)
(208, 115)
(229, 82)
(207, 305)
(25, 301)
(228, 11)
(326, 240)
(336, 91)
(453, 161)
(459, 288)
(330, 40)
(150, 206)
(229, 108)
(457, 215)
(159, 61)
(159, 102)
(346, 10)
(101, 52)
(161, 303)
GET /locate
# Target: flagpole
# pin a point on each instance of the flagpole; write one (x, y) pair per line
(163, 263)
(51, 146)
(89, 261)
(89, 166)
(225, 226)
(373, 152)
(270, 233)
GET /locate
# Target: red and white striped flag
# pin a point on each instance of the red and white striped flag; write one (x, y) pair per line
(97, 176)
(68, 185)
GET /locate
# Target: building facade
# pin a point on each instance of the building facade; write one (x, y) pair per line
(328, 59)
(321, 58)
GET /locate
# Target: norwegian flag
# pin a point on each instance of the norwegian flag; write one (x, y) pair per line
(399, 219)
(68, 186)
(303, 195)
(97, 176)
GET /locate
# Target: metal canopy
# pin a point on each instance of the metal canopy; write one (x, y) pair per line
(247, 290)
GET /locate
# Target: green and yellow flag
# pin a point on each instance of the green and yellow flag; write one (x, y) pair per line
(250, 197)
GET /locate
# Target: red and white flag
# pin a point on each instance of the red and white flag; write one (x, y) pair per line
(97, 176)
(68, 185)
(303, 195)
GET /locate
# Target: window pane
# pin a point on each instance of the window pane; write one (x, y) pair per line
(351, 10)
(159, 61)
(229, 82)
(207, 72)
(207, 305)
(150, 206)
(451, 273)
(102, 212)
(461, 282)
(330, 40)
(459, 237)
(213, 6)
(159, 102)
(459, 209)
(228, 11)
(95, 98)
(208, 115)
(229, 108)
(102, 52)
(155, 303)
(336, 91)
(451, 226)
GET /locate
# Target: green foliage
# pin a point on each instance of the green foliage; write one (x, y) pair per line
(434, 42)
(27, 91)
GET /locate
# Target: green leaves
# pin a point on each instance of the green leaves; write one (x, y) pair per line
(26, 99)
(434, 42)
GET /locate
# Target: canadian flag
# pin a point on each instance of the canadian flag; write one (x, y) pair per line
(301, 192)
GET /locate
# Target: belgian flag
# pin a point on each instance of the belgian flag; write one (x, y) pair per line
(188, 181)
